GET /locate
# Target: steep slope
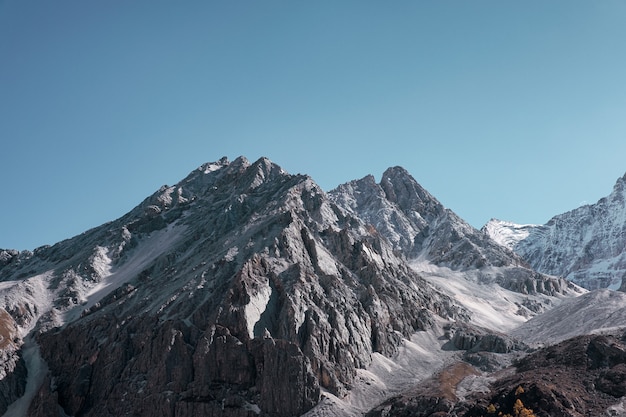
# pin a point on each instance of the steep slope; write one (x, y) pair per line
(241, 290)
(597, 311)
(586, 245)
(417, 224)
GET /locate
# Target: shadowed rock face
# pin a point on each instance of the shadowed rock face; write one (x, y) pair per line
(13, 382)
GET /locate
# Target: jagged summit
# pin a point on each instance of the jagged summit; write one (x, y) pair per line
(402, 189)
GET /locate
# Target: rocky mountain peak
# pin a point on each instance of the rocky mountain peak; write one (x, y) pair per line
(214, 166)
(401, 188)
(619, 189)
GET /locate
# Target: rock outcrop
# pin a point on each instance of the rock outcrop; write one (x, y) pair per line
(13, 376)
(583, 376)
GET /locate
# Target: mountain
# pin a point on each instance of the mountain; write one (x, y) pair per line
(420, 228)
(244, 290)
(585, 245)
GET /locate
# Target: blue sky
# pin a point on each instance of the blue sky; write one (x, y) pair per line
(505, 109)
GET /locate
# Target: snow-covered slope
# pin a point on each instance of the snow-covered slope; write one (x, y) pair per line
(492, 305)
(586, 245)
(597, 311)
(508, 234)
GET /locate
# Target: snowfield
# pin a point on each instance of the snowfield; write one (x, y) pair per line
(492, 306)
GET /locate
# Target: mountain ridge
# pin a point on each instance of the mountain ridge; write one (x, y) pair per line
(242, 263)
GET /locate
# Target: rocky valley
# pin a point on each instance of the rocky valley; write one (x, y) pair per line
(244, 290)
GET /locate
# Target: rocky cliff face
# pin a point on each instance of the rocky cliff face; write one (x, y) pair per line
(586, 245)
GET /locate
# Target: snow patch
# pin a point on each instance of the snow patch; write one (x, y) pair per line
(373, 256)
(618, 409)
(31, 294)
(37, 369)
(165, 199)
(231, 254)
(508, 234)
(149, 249)
(211, 167)
(594, 312)
(492, 306)
(101, 262)
(256, 307)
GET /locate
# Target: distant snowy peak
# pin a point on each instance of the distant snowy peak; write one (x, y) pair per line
(506, 233)
(587, 245)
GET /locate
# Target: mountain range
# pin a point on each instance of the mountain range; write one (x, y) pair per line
(244, 290)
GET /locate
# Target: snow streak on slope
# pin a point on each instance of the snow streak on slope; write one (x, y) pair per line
(37, 370)
(149, 249)
(31, 295)
(256, 307)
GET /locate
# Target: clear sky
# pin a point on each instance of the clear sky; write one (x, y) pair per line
(507, 109)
